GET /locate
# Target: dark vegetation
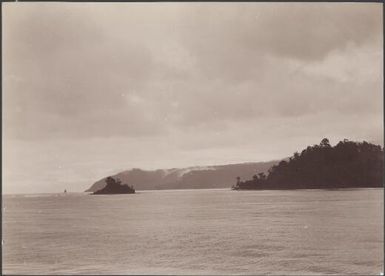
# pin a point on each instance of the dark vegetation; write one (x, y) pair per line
(115, 187)
(346, 165)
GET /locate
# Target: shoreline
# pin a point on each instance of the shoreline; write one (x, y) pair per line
(192, 190)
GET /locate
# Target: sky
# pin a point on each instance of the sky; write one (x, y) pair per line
(91, 89)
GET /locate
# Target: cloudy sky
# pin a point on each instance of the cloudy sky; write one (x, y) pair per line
(90, 89)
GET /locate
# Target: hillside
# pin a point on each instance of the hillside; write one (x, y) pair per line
(222, 176)
(347, 165)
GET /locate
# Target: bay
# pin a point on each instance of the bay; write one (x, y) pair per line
(215, 231)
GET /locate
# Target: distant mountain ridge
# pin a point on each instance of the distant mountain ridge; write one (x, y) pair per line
(197, 177)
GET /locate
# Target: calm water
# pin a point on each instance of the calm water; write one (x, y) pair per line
(195, 232)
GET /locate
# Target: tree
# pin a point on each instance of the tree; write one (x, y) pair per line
(110, 181)
(325, 143)
(262, 176)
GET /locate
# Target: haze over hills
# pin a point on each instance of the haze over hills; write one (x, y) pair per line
(220, 176)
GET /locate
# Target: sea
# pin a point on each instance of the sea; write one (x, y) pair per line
(195, 232)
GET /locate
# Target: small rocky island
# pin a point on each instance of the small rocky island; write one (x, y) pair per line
(115, 187)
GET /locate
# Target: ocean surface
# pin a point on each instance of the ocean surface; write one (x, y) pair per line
(195, 232)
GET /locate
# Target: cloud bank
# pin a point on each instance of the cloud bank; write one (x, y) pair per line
(174, 84)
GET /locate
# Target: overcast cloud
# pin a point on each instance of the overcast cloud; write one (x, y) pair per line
(90, 89)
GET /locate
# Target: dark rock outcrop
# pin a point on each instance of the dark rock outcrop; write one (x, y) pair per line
(115, 187)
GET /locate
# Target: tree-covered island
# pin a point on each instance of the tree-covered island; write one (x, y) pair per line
(346, 165)
(115, 187)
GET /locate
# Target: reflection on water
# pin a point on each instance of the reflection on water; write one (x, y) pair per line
(195, 232)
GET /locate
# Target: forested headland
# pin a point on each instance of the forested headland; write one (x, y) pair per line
(346, 165)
